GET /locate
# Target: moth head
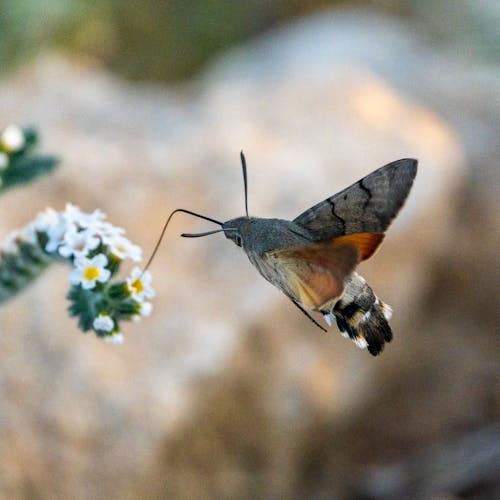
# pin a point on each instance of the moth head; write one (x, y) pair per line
(236, 229)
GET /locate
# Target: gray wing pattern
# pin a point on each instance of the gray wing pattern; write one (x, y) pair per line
(367, 206)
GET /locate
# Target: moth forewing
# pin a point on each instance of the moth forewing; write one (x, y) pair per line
(367, 206)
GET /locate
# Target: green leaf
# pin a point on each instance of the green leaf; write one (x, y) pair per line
(83, 304)
(24, 169)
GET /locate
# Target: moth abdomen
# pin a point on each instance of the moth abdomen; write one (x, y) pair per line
(362, 316)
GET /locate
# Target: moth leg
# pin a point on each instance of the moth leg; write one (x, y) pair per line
(308, 315)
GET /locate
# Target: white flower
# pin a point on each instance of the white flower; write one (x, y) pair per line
(139, 285)
(146, 308)
(123, 248)
(116, 338)
(56, 229)
(74, 215)
(53, 224)
(46, 219)
(104, 323)
(30, 234)
(109, 232)
(4, 161)
(88, 271)
(78, 243)
(12, 139)
(110, 235)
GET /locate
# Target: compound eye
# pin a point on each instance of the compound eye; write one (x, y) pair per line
(238, 240)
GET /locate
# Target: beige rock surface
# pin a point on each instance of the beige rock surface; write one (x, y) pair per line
(95, 417)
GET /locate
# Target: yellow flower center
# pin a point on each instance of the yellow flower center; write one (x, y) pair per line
(137, 286)
(91, 273)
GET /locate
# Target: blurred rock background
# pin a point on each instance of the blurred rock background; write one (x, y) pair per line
(227, 391)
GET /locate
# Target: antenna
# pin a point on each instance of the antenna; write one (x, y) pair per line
(245, 181)
(199, 235)
(165, 228)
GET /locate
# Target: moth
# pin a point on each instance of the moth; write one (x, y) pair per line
(312, 259)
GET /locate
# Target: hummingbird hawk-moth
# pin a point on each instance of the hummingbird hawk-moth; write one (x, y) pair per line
(312, 259)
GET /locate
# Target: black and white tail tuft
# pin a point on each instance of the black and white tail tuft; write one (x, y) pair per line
(362, 316)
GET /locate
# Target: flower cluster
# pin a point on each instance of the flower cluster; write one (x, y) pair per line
(18, 163)
(95, 249)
